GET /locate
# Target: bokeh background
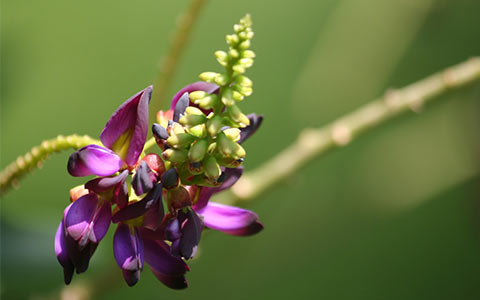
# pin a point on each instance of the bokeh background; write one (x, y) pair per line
(395, 215)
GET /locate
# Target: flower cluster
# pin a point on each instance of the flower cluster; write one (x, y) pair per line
(160, 202)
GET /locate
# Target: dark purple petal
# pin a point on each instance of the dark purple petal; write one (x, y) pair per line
(172, 231)
(144, 179)
(93, 160)
(230, 220)
(180, 107)
(157, 255)
(62, 253)
(139, 208)
(80, 257)
(178, 282)
(153, 217)
(255, 122)
(191, 233)
(128, 252)
(103, 184)
(126, 130)
(87, 221)
(170, 179)
(210, 88)
(159, 132)
(231, 177)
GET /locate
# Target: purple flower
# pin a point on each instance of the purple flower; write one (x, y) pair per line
(124, 136)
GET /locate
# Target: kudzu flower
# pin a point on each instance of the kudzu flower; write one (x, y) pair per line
(161, 203)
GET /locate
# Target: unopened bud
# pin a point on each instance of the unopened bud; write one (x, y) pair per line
(227, 97)
(207, 76)
(246, 62)
(237, 96)
(192, 120)
(175, 155)
(170, 179)
(211, 168)
(180, 140)
(236, 114)
(221, 79)
(198, 131)
(233, 53)
(239, 69)
(244, 45)
(232, 39)
(214, 125)
(178, 198)
(197, 95)
(244, 81)
(237, 28)
(232, 133)
(207, 102)
(248, 54)
(198, 150)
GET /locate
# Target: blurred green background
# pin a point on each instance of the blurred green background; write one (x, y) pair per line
(395, 215)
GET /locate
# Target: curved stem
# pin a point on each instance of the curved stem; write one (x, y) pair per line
(27, 163)
(312, 143)
(169, 64)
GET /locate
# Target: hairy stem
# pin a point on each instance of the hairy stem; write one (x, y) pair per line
(312, 143)
(169, 64)
(10, 176)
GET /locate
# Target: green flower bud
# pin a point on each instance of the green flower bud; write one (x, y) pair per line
(236, 114)
(243, 81)
(207, 76)
(221, 79)
(198, 131)
(211, 168)
(246, 62)
(175, 155)
(192, 120)
(237, 96)
(244, 90)
(208, 102)
(197, 95)
(214, 125)
(248, 54)
(232, 133)
(232, 39)
(180, 140)
(233, 53)
(244, 45)
(175, 129)
(211, 148)
(227, 97)
(239, 69)
(239, 152)
(237, 28)
(198, 150)
(246, 21)
(228, 148)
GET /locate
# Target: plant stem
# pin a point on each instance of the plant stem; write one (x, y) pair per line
(169, 64)
(27, 163)
(312, 143)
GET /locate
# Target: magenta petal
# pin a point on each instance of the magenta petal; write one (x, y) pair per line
(128, 252)
(62, 253)
(130, 119)
(94, 160)
(86, 221)
(210, 88)
(176, 282)
(232, 176)
(103, 184)
(157, 255)
(230, 220)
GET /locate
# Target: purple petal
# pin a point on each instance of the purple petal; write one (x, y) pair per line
(154, 216)
(93, 160)
(157, 255)
(255, 122)
(120, 195)
(128, 252)
(230, 220)
(210, 88)
(103, 184)
(144, 179)
(139, 208)
(191, 233)
(176, 282)
(62, 253)
(127, 129)
(80, 257)
(232, 176)
(180, 107)
(172, 231)
(86, 221)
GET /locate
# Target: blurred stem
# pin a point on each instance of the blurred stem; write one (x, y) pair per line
(312, 143)
(169, 64)
(10, 176)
